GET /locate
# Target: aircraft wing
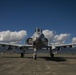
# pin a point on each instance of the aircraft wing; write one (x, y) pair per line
(61, 46)
(9, 46)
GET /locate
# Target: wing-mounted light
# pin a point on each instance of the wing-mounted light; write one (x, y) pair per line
(29, 41)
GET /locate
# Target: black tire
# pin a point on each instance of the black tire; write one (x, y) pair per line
(52, 55)
(35, 57)
(22, 55)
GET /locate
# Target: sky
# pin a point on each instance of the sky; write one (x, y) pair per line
(50, 15)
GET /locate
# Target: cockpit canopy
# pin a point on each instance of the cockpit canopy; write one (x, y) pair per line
(38, 30)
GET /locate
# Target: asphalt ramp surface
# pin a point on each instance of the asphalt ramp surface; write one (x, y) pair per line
(13, 64)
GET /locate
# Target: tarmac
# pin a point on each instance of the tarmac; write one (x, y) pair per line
(13, 64)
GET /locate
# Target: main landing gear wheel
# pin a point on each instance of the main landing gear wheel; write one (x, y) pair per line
(22, 55)
(34, 56)
(52, 55)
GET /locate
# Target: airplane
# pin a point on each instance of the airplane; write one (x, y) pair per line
(36, 42)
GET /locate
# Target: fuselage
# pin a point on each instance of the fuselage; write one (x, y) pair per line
(38, 39)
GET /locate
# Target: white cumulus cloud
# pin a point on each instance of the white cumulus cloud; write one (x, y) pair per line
(49, 35)
(9, 36)
(60, 39)
(74, 40)
(57, 39)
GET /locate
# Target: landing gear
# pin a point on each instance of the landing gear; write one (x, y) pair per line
(35, 54)
(51, 54)
(22, 55)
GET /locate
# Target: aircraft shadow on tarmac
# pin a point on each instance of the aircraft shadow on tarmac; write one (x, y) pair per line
(57, 59)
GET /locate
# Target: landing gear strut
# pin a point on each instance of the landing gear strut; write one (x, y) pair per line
(51, 54)
(22, 55)
(35, 54)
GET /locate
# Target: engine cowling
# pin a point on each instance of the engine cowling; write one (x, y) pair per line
(29, 41)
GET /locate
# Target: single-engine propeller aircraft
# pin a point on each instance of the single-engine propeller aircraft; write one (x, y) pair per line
(35, 43)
